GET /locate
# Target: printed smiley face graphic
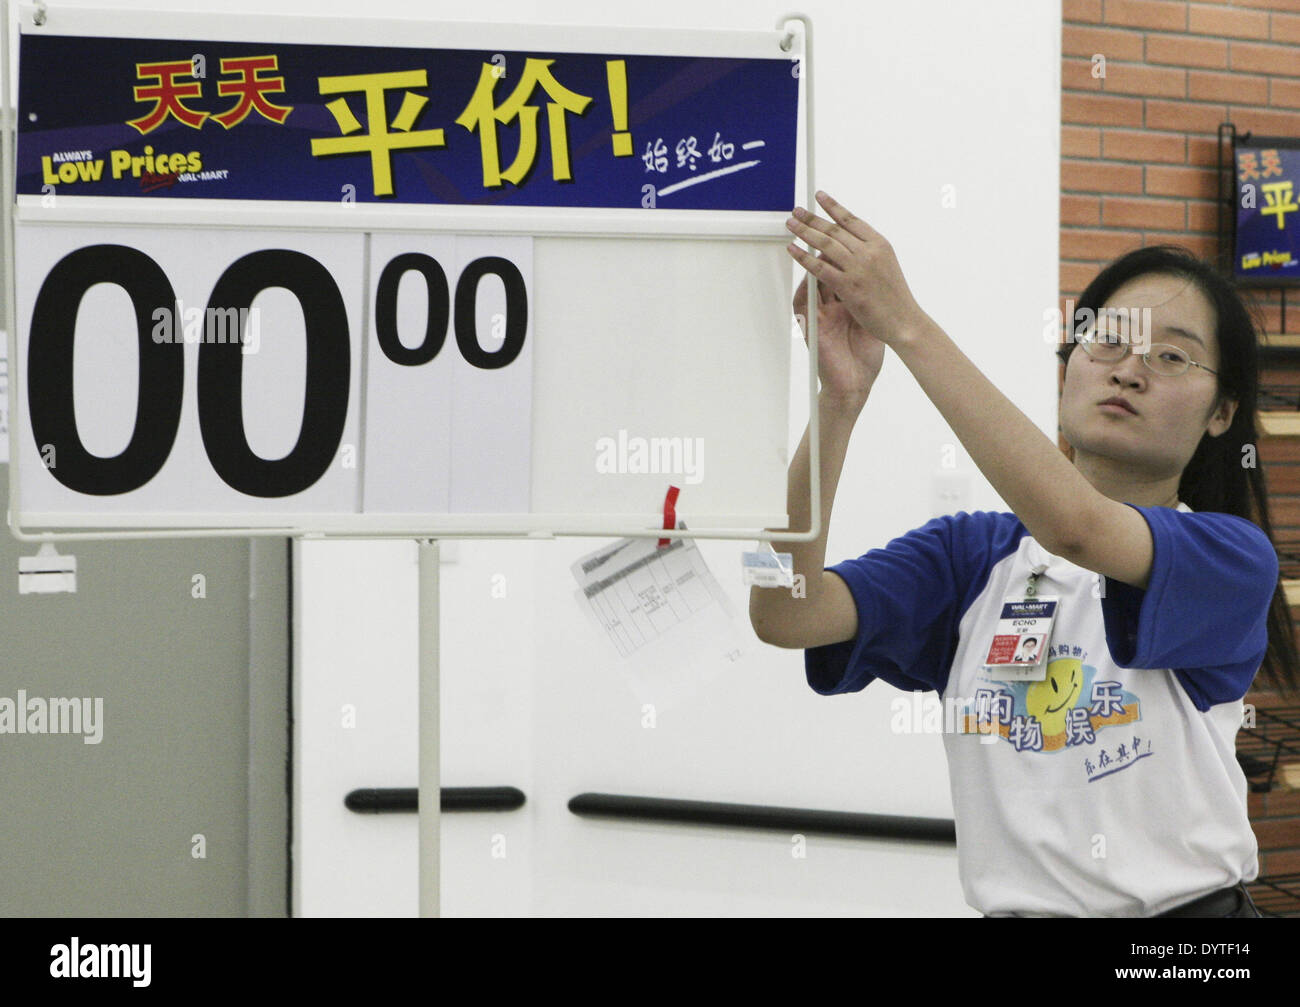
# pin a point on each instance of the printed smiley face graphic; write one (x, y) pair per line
(1051, 700)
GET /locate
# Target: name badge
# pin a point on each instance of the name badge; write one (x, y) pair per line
(1019, 647)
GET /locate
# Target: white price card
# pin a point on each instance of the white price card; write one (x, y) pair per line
(662, 611)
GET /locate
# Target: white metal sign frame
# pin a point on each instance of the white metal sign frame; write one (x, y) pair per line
(539, 221)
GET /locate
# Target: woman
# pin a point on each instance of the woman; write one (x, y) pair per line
(1104, 781)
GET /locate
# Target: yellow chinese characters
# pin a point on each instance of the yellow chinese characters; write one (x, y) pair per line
(481, 115)
(379, 142)
(1279, 200)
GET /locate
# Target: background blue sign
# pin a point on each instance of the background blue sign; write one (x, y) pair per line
(1267, 247)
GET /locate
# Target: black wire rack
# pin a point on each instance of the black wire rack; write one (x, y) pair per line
(1276, 396)
(1273, 740)
(1277, 895)
(1288, 560)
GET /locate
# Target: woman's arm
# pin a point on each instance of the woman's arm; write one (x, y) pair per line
(1061, 509)
(820, 609)
(826, 611)
(1058, 506)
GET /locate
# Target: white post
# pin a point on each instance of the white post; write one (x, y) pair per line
(430, 784)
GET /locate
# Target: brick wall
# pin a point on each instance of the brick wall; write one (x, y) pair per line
(1138, 145)
(1275, 818)
(1138, 167)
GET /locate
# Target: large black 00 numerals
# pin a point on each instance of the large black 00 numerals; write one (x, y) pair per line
(435, 332)
(220, 367)
(162, 373)
(49, 371)
(325, 404)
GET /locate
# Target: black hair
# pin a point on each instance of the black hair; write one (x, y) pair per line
(1218, 476)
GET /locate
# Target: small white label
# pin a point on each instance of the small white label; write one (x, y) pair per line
(768, 569)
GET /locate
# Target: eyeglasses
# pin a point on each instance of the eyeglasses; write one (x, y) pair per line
(1163, 358)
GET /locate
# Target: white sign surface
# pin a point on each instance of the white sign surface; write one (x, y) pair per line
(173, 374)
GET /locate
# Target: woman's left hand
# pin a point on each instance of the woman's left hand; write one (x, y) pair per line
(857, 265)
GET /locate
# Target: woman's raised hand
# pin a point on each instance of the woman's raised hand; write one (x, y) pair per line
(866, 303)
(850, 358)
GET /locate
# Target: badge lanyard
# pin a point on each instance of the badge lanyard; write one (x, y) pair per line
(1018, 650)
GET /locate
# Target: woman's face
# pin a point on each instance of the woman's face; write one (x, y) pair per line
(1173, 412)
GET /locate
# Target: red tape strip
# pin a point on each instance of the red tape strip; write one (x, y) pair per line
(670, 512)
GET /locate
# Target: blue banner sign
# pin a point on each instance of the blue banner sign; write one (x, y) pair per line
(270, 121)
(1268, 214)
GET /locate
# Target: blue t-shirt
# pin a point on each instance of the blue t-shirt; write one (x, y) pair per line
(1111, 787)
